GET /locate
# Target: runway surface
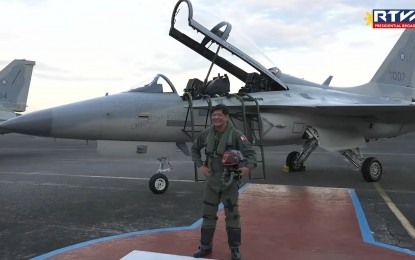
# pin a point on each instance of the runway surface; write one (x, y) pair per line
(58, 193)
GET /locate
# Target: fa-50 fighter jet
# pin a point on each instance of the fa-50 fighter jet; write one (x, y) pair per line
(272, 108)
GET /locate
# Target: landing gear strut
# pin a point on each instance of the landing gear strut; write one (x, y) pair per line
(371, 167)
(295, 160)
(291, 162)
(158, 182)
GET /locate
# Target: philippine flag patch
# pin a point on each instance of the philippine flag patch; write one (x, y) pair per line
(243, 138)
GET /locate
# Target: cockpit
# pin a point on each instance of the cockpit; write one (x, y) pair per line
(262, 79)
(218, 86)
(159, 84)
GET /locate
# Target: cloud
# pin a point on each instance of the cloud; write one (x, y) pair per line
(290, 24)
(49, 68)
(107, 43)
(51, 72)
(32, 3)
(74, 78)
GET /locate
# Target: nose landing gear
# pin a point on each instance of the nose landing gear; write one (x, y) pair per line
(159, 182)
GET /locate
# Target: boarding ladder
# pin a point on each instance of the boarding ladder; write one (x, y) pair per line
(252, 124)
(195, 128)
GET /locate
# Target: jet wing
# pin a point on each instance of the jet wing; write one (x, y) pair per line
(336, 139)
(391, 113)
(388, 112)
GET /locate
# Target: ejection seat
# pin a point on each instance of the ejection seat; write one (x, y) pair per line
(218, 86)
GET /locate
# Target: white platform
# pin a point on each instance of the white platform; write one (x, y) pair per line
(143, 255)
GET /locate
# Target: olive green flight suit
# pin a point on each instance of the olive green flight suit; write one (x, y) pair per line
(214, 190)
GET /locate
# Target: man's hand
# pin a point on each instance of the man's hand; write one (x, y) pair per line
(243, 171)
(204, 170)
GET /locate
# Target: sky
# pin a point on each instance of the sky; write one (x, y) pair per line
(86, 48)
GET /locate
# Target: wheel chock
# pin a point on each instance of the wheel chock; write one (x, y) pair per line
(287, 169)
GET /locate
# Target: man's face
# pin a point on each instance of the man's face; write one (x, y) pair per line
(219, 119)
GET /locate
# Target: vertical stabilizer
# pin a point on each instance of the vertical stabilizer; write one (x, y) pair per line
(14, 87)
(399, 66)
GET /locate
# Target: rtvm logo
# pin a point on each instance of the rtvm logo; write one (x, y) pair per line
(393, 18)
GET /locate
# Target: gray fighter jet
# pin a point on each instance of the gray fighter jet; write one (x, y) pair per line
(272, 108)
(14, 87)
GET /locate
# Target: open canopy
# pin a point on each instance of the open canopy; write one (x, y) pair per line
(262, 80)
(159, 84)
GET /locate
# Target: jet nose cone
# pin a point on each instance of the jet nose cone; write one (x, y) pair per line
(35, 123)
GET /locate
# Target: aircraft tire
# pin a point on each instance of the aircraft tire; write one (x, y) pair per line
(372, 169)
(290, 161)
(158, 183)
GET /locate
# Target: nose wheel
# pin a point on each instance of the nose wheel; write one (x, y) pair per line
(159, 182)
(292, 164)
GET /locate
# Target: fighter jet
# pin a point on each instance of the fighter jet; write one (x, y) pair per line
(14, 87)
(272, 108)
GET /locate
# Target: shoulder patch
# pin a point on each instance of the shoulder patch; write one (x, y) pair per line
(243, 138)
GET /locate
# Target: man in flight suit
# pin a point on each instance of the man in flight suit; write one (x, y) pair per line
(218, 138)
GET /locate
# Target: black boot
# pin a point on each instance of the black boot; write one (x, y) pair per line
(235, 253)
(203, 251)
(234, 241)
(205, 247)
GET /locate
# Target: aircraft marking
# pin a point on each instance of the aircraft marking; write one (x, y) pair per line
(404, 221)
(397, 76)
(48, 184)
(92, 176)
(47, 149)
(367, 233)
(371, 153)
(361, 217)
(153, 120)
(266, 126)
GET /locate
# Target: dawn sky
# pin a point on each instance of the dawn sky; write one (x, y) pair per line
(85, 48)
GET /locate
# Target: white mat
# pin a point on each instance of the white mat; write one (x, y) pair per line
(143, 255)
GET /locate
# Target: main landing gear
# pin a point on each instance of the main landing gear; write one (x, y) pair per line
(295, 160)
(370, 167)
(158, 182)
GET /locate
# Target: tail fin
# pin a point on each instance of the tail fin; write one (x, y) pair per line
(327, 81)
(398, 68)
(14, 87)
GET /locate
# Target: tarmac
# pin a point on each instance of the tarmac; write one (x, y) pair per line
(61, 200)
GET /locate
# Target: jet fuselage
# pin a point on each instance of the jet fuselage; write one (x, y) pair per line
(138, 116)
